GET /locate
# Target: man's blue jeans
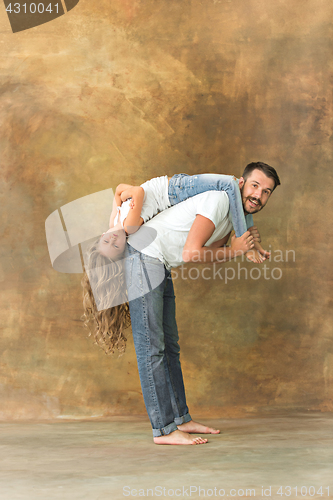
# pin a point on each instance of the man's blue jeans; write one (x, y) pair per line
(183, 186)
(155, 336)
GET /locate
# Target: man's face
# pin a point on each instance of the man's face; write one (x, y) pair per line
(255, 191)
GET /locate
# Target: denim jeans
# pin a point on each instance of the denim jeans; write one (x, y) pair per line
(183, 186)
(155, 336)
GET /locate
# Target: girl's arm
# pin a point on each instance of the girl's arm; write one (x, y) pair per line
(113, 213)
(120, 189)
(123, 192)
(134, 220)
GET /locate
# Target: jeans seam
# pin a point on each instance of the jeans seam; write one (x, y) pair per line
(173, 385)
(168, 276)
(148, 344)
(148, 360)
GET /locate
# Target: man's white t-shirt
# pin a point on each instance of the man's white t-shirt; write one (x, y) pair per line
(173, 225)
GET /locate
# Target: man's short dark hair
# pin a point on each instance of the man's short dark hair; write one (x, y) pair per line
(266, 169)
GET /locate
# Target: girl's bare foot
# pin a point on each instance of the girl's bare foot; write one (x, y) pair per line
(195, 428)
(255, 256)
(179, 437)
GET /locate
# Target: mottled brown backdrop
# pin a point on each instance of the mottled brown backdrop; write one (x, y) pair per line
(126, 90)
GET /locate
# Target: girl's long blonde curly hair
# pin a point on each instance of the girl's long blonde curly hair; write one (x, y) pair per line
(104, 286)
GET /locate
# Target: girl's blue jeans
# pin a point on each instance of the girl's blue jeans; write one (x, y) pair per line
(183, 186)
(155, 334)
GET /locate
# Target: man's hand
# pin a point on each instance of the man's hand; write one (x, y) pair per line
(241, 245)
(255, 233)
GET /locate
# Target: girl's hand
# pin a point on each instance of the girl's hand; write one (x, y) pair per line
(125, 195)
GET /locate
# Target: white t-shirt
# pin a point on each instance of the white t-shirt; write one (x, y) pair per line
(173, 225)
(156, 199)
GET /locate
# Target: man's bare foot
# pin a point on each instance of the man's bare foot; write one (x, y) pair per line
(179, 437)
(195, 428)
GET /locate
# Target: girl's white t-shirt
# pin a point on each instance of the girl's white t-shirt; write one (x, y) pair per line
(156, 199)
(168, 231)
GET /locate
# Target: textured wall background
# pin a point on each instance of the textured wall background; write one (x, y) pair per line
(126, 90)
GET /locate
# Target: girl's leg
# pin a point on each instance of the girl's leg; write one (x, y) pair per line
(182, 186)
(249, 220)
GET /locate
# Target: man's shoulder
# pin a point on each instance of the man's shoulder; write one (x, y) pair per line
(213, 199)
(216, 196)
(213, 205)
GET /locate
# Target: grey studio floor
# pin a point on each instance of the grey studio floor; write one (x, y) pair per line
(282, 456)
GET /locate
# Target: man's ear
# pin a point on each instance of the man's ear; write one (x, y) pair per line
(241, 182)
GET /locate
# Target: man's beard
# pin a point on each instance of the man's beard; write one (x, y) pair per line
(254, 200)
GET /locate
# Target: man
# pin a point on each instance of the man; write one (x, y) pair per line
(195, 230)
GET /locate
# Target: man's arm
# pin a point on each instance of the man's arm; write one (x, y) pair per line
(220, 243)
(200, 232)
(256, 254)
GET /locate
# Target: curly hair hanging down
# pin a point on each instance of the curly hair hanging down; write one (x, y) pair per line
(104, 286)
